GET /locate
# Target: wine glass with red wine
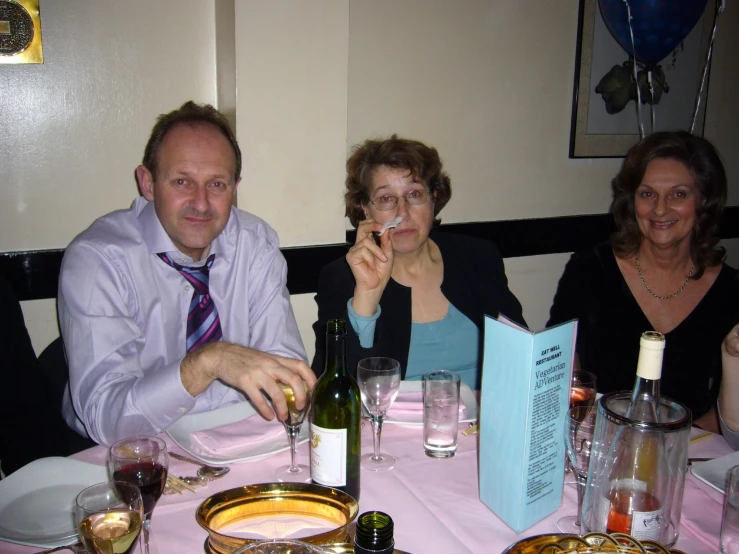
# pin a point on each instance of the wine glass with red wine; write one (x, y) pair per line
(582, 390)
(141, 461)
(582, 395)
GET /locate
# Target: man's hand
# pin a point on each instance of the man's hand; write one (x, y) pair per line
(731, 342)
(249, 370)
(727, 395)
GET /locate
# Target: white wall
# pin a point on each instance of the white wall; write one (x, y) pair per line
(73, 129)
(488, 82)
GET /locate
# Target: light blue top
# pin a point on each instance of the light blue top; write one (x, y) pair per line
(452, 343)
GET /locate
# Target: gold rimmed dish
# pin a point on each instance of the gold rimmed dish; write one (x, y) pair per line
(270, 503)
(592, 543)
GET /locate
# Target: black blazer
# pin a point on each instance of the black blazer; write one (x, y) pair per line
(474, 281)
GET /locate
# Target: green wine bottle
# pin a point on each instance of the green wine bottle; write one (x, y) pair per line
(335, 419)
(374, 534)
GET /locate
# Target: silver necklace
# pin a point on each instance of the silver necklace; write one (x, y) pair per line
(669, 296)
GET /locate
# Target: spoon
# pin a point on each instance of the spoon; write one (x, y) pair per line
(204, 471)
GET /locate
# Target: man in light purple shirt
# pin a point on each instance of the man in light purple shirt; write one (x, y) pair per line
(123, 310)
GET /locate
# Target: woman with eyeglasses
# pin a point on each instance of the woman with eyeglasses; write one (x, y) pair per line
(414, 294)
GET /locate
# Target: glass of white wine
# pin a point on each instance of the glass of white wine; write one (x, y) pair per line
(109, 517)
(295, 472)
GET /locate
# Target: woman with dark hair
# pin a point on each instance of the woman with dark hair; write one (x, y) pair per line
(412, 294)
(662, 270)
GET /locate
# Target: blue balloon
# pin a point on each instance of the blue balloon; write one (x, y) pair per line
(659, 25)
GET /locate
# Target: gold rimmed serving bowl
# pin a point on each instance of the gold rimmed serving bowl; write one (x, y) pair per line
(592, 543)
(270, 502)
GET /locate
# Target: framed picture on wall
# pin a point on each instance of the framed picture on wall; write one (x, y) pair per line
(605, 122)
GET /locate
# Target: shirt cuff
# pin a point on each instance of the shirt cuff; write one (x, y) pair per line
(363, 326)
(732, 437)
(162, 396)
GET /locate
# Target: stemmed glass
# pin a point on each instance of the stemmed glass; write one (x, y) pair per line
(143, 462)
(294, 473)
(582, 393)
(379, 381)
(109, 516)
(578, 434)
(582, 389)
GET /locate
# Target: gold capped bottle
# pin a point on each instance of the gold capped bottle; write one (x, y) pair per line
(335, 419)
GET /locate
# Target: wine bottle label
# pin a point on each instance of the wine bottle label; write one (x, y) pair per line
(328, 456)
(629, 483)
(646, 525)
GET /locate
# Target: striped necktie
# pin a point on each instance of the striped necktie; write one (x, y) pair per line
(203, 323)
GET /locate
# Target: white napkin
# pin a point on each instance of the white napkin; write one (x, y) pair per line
(411, 403)
(233, 437)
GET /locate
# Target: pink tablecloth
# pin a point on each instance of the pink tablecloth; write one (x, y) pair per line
(434, 503)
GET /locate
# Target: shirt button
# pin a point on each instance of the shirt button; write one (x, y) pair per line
(187, 288)
(183, 410)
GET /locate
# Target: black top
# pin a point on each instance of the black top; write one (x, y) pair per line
(593, 290)
(474, 281)
(29, 426)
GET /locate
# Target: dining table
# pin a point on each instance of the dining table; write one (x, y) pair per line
(434, 503)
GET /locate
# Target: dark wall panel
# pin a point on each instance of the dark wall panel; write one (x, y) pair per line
(35, 274)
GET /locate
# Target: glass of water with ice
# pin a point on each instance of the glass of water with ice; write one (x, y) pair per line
(440, 413)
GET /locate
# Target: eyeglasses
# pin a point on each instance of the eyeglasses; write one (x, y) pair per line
(387, 202)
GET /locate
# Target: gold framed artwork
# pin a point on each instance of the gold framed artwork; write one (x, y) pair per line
(20, 32)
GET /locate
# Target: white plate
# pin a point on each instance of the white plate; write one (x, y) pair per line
(466, 396)
(713, 472)
(180, 433)
(37, 501)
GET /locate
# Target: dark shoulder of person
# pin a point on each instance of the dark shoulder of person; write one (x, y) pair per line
(28, 429)
(468, 248)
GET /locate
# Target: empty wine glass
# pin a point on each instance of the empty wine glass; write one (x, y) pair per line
(578, 435)
(379, 381)
(109, 517)
(294, 473)
(143, 462)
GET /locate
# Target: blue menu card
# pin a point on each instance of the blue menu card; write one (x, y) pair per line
(524, 399)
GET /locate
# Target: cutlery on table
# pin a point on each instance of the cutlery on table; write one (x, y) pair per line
(205, 471)
(77, 548)
(694, 460)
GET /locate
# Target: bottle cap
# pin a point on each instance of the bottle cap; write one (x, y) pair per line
(652, 346)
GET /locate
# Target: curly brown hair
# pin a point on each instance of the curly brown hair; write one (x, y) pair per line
(700, 157)
(421, 161)
(192, 114)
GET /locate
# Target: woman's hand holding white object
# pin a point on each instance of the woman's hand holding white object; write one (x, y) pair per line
(371, 266)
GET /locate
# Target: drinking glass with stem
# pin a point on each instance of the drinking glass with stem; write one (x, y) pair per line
(582, 393)
(379, 381)
(582, 389)
(294, 473)
(143, 462)
(578, 436)
(109, 517)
